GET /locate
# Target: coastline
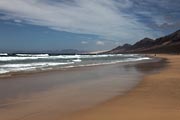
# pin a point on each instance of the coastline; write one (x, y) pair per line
(70, 67)
(156, 97)
(48, 95)
(27, 64)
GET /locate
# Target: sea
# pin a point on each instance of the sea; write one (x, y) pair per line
(12, 63)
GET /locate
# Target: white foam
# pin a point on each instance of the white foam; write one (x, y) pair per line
(4, 54)
(70, 60)
(3, 71)
(12, 58)
(84, 56)
(29, 67)
(108, 63)
(107, 55)
(46, 56)
(33, 55)
(66, 56)
(33, 64)
(77, 60)
(137, 59)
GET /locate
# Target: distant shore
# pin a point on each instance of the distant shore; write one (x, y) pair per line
(157, 97)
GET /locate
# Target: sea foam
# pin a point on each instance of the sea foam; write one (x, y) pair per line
(31, 62)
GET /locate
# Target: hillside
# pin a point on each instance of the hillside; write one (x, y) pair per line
(166, 44)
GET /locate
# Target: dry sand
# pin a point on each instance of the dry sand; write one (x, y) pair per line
(157, 97)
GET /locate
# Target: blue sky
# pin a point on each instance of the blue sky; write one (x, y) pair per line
(83, 24)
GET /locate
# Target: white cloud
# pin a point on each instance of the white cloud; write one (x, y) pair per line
(17, 21)
(104, 18)
(100, 43)
(84, 42)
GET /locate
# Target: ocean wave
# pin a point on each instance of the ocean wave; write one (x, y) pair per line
(2, 71)
(77, 60)
(33, 66)
(90, 56)
(137, 59)
(44, 62)
(3, 54)
(20, 57)
(32, 55)
(14, 58)
(108, 63)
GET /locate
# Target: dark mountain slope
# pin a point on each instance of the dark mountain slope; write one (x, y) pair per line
(166, 44)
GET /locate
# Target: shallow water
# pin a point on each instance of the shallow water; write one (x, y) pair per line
(55, 93)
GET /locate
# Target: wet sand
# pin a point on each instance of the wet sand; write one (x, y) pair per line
(58, 94)
(157, 97)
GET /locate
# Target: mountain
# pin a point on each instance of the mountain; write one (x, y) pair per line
(144, 43)
(166, 44)
(71, 51)
(120, 48)
(170, 39)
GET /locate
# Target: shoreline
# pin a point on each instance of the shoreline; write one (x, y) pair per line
(156, 97)
(34, 72)
(11, 68)
(48, 94)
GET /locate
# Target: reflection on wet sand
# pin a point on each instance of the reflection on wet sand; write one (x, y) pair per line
(51, 94)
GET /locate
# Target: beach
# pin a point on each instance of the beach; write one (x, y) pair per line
(142, 90)
(56, 94)
(157, 97)
(89, 60)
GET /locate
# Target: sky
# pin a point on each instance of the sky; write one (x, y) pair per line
(90, 25)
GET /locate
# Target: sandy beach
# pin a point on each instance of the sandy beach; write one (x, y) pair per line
(147, 90)
(157, 97)
(54, 94)
(89, 59)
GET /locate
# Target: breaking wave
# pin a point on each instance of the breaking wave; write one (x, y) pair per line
(32, 62)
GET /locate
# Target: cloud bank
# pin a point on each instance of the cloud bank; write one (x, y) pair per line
(109, 19)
